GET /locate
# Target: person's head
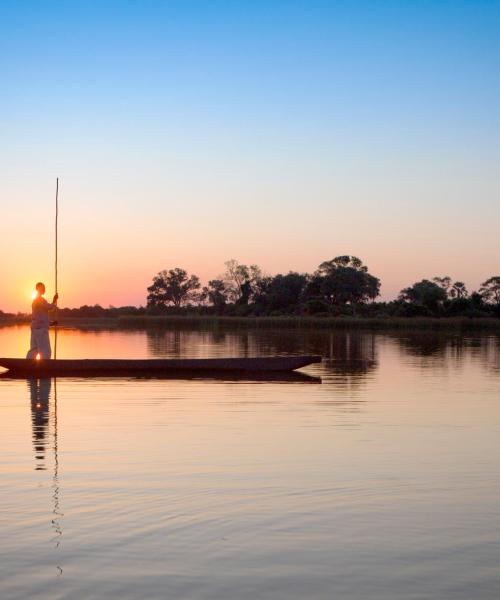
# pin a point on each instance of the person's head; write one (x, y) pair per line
(40, 288)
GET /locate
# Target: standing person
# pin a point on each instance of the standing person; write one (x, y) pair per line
(40, 341)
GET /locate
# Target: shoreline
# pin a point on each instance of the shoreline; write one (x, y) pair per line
(334, 323)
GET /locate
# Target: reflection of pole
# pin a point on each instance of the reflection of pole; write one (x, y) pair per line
(55, 265)
(43, 417)
(55, 480)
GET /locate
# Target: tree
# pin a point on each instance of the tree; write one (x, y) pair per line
(345, 280)
(174, 286)
(346, 261)
(443, 282)
(241, 280)
(216, 293)
(425, 292)
(477, 301)
(458, 290)
(490, 290)
(282, 292)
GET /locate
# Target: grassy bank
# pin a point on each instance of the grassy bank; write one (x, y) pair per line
(420, 323)
(210, 322)
(14, 320)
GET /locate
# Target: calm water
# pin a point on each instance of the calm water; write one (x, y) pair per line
(381, 482)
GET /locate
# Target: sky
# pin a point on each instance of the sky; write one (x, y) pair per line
(278, 133)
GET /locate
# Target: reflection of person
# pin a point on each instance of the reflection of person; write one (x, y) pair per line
(39, 394)
(40, 341)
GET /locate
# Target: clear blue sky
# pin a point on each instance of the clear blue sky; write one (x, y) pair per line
(281, 133)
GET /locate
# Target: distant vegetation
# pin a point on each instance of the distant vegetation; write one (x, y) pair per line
(341, 287)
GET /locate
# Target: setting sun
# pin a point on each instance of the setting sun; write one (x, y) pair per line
(33, 294)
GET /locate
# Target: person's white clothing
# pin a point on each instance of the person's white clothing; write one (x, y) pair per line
(40, 313)
(40, 343)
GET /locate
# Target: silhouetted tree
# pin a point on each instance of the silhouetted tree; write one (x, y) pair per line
(476, 300)
(282, 293)
(426, 293)
(458, 290)
(490, 290)
(216, 293)
(174, 286)
(443, 282)
(344, 280)
(241, 280)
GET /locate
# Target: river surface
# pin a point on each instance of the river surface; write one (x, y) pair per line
(376, 477)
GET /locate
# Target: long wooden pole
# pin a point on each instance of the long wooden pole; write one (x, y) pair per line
(57, 218)
(56, 258)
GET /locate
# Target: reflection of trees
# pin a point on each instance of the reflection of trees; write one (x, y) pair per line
(350, 354)
(449, 350)
(182, 343)
(488, 351)
(425, 343)
(445, 346)
(165, 342)
(349, 357)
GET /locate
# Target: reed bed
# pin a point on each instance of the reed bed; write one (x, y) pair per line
(211, 322)
(402, 323)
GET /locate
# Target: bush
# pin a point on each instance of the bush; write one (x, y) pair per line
(413, 310)
(316, 306)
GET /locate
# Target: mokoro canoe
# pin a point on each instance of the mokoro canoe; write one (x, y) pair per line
(225, 376)
(116, 367)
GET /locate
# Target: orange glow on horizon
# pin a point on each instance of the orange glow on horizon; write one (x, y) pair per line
(38, 357)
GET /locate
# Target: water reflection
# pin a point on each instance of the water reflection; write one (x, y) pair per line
(300, 484)
(45, 440)
(39, 394)
(444, 350)
(351, 355)
(424, 344)
(488, 353)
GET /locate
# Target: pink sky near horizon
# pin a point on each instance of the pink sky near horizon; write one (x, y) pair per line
(108, 256)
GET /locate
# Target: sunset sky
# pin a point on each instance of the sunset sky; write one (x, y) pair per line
(276, 133)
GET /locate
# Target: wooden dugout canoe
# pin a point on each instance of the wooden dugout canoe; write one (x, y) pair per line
(132, 367)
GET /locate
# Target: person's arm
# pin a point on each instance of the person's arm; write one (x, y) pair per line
(50, 306)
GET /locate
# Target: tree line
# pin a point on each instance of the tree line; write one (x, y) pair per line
(338, 287)
(341, 286)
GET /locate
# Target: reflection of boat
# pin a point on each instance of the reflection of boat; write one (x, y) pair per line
(241, 377)
(144, 367)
